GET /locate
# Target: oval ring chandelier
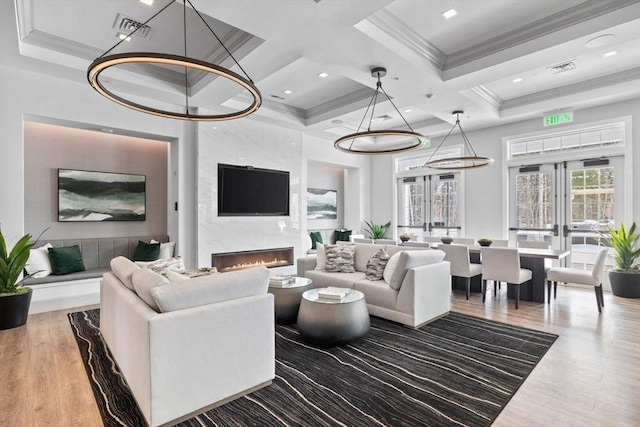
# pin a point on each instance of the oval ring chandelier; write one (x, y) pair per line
(371, 141)
(461, 162)
(106, 61)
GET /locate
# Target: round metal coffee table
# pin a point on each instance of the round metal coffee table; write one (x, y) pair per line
(287, 299)
(333, 322)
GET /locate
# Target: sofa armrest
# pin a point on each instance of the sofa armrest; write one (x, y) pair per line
(305, 264)
(426, 292)
(229, 348)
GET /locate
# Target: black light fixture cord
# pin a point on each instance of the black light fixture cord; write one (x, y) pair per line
(219, 41)
(186, 79)
(445, 138)
(137, 28)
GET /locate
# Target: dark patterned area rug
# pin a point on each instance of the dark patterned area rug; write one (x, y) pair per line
(458, 370)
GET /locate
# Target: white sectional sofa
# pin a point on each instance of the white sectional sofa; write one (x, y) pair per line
(195, 344)
(419, 289)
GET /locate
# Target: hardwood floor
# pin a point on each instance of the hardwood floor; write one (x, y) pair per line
(589, 377)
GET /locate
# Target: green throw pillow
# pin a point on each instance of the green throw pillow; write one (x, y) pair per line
(146, 251)
(66, 260)
(316, 238)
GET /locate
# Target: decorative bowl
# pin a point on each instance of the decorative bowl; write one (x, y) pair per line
(485, 242)
(446, 239)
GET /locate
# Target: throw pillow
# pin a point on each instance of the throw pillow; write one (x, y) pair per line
(316, 238)
(377, 264)
(38, 264)
(339, 259)
(146, 251)
(143, 281)
(166, 249)
(391, 267)
(321, 257)
(66, 260)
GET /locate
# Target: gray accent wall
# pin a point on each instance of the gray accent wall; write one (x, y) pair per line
(49, 147)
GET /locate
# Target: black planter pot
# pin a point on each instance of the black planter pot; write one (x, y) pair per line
(625, 284)
(14, 310)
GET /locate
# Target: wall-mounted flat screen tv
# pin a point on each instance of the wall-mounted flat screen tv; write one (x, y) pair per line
(249, 191)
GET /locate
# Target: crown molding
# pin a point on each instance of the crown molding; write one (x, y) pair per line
(489, 96)
(630, 75)
(318, 113)
(395, 28)
(583, 12)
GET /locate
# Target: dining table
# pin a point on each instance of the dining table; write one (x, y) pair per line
(531, 259)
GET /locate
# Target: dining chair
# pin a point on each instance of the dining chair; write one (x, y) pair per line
(534, 244)
(500, 243)
(464, 241)
(578, 276)
(432, 239)
(417, 244)
(458, 257)
(502, 265)
(385, 242)
(362, 240)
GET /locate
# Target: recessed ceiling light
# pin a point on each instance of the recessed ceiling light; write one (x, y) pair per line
(448, 14)
(518, 80)
(599, 41)
(408, 110)
(323, 75)
(288, 92)
(212, 127)
(147, 2)
(124, 37)
(610, 53)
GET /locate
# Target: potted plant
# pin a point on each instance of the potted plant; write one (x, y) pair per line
(377, 231)
(14, 298)
(485, 241)
(625, 278)
(405, 237)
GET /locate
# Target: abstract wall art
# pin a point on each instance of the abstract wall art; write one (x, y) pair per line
(322, 204)
(100, 196)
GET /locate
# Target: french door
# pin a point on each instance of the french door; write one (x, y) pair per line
(569, 204)
(430, 205)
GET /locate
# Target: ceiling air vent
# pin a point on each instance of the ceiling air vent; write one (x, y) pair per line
(563, 68)
(383, 118)
(126, 25)
(277, 97)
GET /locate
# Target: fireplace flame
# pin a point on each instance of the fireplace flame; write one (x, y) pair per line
(272, 263)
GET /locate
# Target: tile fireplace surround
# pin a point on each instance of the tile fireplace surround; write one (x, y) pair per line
(230, 261)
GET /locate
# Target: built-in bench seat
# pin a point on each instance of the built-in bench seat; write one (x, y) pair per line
(82, 288)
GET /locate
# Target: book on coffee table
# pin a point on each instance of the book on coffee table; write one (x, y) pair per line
(333, 293)
(280, 280)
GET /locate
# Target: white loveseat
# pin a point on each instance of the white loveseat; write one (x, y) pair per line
(211, 340)
(418, 292)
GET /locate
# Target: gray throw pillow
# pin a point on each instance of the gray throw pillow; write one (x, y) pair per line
(339, 259)
(376, 265)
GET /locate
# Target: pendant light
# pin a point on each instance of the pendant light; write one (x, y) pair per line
(106, 61)
(462, 162)
(385, 141)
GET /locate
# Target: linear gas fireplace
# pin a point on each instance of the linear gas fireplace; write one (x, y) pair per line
(229, 261)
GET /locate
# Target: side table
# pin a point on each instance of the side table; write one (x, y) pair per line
(287, 299)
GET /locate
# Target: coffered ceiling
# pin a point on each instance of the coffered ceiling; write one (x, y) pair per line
(498, 60)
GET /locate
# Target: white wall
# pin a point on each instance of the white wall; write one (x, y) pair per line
(486, 188)
(258, 144)
(24, 94)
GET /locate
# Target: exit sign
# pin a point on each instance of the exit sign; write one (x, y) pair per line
(558, 118)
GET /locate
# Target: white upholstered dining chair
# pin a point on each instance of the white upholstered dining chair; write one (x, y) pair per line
(458, 256)
(464, 241)
(500, 243)
(579, 277)
(502, 265)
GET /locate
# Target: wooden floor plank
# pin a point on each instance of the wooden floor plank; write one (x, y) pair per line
(589, 377)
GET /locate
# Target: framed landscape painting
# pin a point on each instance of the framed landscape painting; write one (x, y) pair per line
(322, 204)
(100, 196)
